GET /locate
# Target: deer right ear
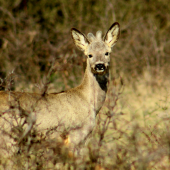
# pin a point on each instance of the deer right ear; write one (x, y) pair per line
(79, 39)
(112, 35)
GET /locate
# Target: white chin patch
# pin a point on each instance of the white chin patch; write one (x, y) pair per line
(100, 71)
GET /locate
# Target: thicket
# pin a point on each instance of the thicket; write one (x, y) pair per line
(35, 34)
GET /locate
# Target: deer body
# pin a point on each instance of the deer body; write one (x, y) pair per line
(76, 108)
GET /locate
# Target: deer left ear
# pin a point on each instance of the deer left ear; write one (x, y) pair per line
(112, 35)
(80, 39)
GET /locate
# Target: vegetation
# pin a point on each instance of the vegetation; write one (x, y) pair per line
(37, 54)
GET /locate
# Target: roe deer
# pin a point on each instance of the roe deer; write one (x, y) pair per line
(76, 108)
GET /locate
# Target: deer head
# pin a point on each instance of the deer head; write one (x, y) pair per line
(96, 48)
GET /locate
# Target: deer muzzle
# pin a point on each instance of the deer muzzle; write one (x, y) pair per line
(100, 67)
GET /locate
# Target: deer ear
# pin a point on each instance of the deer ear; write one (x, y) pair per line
(79, 39)
(112, 34)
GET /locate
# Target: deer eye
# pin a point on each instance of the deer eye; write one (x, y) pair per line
(90, 56)
(106, 53)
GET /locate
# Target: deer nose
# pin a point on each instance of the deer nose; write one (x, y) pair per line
(100, 67)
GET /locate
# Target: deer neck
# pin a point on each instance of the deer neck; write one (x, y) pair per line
(94, 88)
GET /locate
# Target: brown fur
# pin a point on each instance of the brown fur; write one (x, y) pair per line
(76, 108)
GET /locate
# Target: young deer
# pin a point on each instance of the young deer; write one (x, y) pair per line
(75, 109)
